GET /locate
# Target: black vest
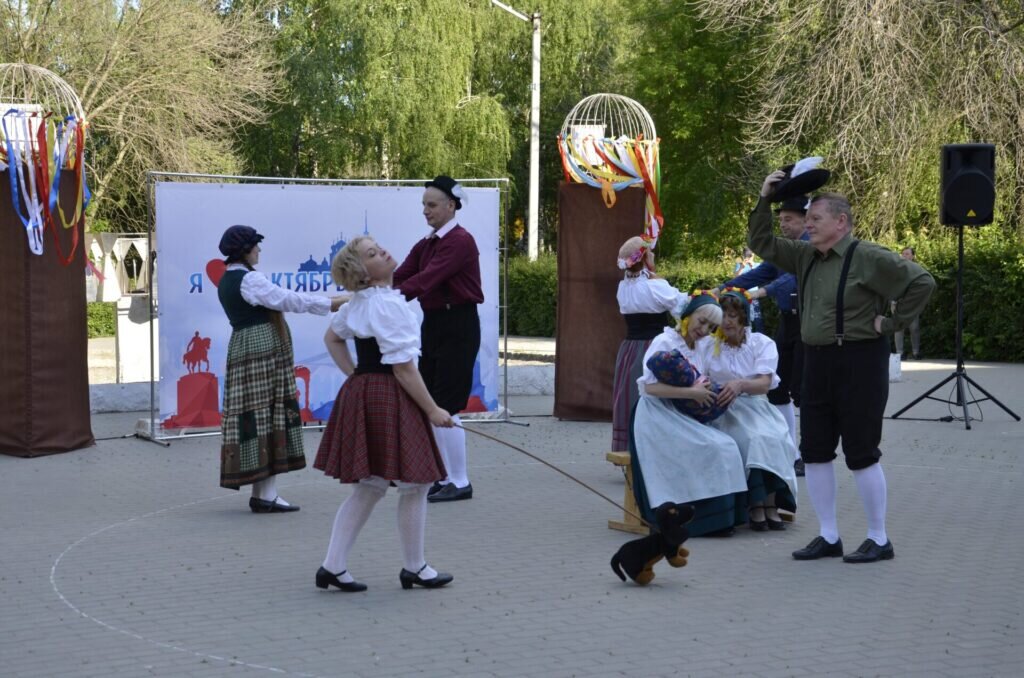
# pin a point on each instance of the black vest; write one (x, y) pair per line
(368, 357)
(240, 312)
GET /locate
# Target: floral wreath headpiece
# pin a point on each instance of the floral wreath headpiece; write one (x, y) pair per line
(635, 257)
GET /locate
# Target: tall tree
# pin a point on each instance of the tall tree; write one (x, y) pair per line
(882, 85)
(398, 89)
(164, 84)
(691, 81)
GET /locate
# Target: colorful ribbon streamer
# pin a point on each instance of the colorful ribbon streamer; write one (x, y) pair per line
(620, 163)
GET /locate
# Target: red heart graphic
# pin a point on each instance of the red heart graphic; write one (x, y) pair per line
(215, 270)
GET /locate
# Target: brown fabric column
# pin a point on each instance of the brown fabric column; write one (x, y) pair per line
(590, 327)
(44, 375)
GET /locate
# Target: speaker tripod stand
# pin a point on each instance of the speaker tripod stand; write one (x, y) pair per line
(960, 373)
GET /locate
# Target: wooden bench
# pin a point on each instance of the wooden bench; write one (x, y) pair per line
(630, 523)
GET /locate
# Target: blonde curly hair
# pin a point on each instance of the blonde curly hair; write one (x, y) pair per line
(347, 268)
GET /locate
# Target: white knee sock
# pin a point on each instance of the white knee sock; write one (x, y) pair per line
(266, 489)
(352, 515)
(790, 417)
(872, 489)
(821, 486)
(412, 523)
(455, 461)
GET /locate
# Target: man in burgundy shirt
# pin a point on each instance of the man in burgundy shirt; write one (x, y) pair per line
(443, 272)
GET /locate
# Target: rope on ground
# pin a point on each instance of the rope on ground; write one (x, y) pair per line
(555, 468)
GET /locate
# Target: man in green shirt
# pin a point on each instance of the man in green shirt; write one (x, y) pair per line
(844, 288)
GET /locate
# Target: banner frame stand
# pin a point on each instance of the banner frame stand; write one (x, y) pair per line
(153, 177)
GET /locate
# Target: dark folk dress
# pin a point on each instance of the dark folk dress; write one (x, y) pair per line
(261, 426)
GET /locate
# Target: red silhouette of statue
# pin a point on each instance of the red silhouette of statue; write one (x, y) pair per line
(198, 391)
(197, 353)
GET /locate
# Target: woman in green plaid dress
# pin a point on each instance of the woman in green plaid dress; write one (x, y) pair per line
(261, 426)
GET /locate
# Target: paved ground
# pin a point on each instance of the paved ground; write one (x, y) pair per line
(127, 560)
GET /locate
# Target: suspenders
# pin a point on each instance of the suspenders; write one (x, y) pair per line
(840, 290)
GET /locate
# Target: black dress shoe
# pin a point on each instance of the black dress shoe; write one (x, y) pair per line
(798, 466)
(264, 506)
(774, 525)
(435, 488)
(409, 578)
(325, 579)
(724, 532)
(819, 548)
(451, 493)
(757, 525)
(870, 551)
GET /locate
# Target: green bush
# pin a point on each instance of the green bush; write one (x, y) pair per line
(102, 319)
(993, 294)
(534, 288)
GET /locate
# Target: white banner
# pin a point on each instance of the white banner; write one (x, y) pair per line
(304, 226)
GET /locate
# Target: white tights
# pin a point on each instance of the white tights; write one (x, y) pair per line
(355, 511)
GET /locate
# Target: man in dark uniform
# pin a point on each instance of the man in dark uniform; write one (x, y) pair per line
(773, 282)
(844, 289)
(443, 272)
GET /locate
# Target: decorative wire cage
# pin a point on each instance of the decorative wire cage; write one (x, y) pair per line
(610, 116)
(31, 87)
(608, 141)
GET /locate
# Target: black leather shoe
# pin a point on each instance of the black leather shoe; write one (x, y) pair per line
(724, 532)
(325, 579)
(451, 493)
(435, 488)
(264, 506)
(409, 578)
(774, 525)
(798, 466)
(756, 525)
(869, 552)
(819, 548)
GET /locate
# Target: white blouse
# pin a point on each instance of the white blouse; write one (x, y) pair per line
(384, 314)
(757, 355)
(643, 294)
(257, 290)
(669, 340)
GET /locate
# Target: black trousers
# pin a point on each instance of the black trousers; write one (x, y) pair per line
(845, 389)
(791, 361)
(450, 343)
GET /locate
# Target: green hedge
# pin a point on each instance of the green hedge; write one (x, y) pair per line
(102, 319)
(993, 293)
(534, 287)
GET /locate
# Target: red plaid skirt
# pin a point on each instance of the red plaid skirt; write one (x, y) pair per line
(376, 429)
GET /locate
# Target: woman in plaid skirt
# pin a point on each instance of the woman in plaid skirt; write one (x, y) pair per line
(262, 431)
(379, 433)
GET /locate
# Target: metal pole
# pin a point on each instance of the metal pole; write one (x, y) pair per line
(533, 224)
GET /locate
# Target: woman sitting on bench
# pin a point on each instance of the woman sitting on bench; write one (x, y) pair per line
(744, 362)
(674, 457)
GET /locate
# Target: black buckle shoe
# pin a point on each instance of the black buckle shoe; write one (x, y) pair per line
(819, 548)
(870, 552)
(264, 506)
(325, 579)
(409, 578)
(451, 493)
